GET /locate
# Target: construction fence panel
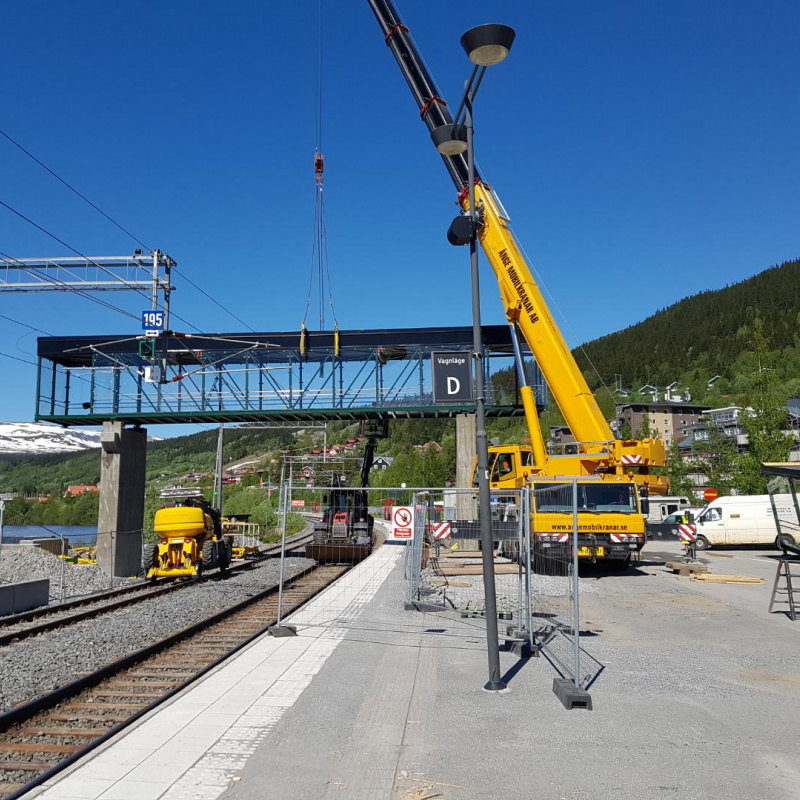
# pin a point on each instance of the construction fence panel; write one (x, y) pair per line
(555, 577)
(425, 572)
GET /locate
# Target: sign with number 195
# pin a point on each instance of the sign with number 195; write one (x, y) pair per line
(152, 320)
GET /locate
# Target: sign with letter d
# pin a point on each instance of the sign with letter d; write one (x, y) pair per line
(452, 377)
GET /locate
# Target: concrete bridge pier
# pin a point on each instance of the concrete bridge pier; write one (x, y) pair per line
(123, 459)
(466, 452)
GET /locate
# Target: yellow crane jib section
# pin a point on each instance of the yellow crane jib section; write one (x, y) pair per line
(524, 302)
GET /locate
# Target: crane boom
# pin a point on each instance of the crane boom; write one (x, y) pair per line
(599, 450)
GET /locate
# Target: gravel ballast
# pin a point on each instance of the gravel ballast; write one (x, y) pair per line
(37, 665)
(28, 563)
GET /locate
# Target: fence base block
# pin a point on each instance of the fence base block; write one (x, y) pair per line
(570, 695)
(521, 649)
(418, 605)
(279, 631)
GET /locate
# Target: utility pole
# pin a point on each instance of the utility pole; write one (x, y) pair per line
(218, 476)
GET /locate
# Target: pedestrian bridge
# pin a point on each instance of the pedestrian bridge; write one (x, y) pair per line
(245, 377)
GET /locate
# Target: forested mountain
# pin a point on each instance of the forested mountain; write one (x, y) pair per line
(704, 334)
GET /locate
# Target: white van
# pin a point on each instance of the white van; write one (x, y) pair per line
(662, 507)
(745, 519)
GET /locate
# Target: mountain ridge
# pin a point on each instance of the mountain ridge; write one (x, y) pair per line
(705, 332)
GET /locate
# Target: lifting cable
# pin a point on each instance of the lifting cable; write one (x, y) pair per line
(319, 279)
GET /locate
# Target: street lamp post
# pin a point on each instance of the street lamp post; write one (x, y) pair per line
(485, 45)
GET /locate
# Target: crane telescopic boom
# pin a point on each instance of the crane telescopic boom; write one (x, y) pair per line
(598, 449)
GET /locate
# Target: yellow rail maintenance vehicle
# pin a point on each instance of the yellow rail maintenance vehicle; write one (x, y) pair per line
(190, 538)
(244, 536)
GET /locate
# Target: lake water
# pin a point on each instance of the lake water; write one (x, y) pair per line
(76, 534)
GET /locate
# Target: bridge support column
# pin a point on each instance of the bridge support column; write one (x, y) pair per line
(466, 451)
(122, 484)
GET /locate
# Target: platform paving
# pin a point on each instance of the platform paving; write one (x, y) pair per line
(698, 697)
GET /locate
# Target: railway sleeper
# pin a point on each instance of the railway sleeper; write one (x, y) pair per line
(78, 733)
(36, 747)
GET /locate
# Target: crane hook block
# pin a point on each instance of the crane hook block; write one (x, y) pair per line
(303, 339)
(336, 347)
(319, 163)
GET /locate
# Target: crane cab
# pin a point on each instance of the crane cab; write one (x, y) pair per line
(510, 465)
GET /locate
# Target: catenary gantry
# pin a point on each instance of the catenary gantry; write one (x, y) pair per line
(244, 377)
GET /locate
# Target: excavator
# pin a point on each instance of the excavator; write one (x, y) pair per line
(615, 476)
(345, 532)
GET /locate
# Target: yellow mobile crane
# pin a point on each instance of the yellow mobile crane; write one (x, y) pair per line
(614, 472)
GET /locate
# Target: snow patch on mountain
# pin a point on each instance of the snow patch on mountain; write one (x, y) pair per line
(32, 438)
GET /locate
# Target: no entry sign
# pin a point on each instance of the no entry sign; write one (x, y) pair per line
(710, 494)
(402, 523)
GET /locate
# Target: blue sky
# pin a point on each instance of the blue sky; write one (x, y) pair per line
(645, 151)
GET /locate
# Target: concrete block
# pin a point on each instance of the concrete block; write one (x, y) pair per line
(570, 695)
(18, 597)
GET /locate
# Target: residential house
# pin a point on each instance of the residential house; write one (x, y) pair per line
(382, 462)
(669, 420)
(433, 447)
(77, 489)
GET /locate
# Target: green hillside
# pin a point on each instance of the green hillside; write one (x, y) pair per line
(747, 333)
(701, 336)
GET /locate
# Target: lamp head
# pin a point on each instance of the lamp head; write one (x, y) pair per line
(488, 44)
(450, 140)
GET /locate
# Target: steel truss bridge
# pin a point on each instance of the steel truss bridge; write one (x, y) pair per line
(236, 377)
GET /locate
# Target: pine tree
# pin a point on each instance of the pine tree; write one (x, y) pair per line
(764, 423)
(717, 460)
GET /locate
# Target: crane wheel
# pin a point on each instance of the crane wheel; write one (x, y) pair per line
(149, 557)
(209, 554)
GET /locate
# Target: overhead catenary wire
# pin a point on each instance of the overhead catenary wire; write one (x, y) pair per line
(73, 189)
(213, 299)
(121, 227)
(67, 287)
(563, 316)
(90, 260)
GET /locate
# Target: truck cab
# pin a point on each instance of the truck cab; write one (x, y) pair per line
(610, 521)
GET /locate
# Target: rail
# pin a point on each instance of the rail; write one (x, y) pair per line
(44, 736)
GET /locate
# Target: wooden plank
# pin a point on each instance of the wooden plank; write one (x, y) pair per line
(719, 555)
(26, 766)
(682, 568)
(452, 583)
(101, 706)
(477, 569)
(745, 579)
(447, 553)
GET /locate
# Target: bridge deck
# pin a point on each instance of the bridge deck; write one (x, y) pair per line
(236, 377)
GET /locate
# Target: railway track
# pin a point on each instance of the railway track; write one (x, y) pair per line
(31, 623)
(42, 737)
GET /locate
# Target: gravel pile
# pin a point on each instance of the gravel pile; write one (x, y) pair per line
(42, 663)
(27, 563)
